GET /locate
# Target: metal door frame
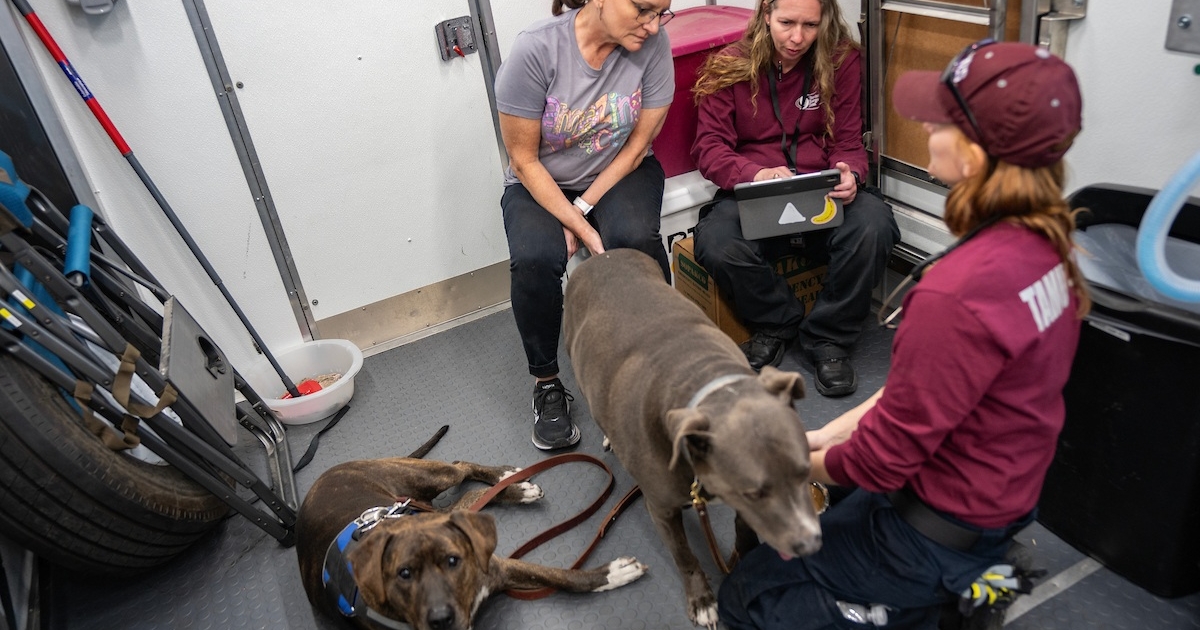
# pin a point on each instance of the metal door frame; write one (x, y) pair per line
(1043, 22)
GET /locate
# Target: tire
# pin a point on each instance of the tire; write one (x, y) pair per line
(73, 502)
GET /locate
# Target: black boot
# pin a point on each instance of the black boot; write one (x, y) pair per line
(835, 377)
(763, 349)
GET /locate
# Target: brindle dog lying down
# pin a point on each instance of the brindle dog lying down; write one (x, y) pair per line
(430, 570)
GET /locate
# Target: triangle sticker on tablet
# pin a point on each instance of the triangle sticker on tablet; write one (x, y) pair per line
(791, 215)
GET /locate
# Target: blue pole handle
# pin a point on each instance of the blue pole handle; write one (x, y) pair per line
(77, 265)
(1152, 235)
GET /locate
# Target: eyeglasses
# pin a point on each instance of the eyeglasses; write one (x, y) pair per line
(646, 16)
(950, 78)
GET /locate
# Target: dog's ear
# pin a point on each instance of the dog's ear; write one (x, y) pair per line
(366, 558)
(692, 438)
(788, 386)
(480, 530)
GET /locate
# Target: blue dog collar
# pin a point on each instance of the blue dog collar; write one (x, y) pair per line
(338, 576)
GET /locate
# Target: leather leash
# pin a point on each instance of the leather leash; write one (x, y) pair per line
(536, 541)
(817, 490)
(701, 505)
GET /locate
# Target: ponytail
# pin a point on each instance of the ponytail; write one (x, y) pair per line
(1027, 196)
(556, 6)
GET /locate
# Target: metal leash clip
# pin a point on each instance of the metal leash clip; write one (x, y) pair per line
(698, 501)
(372, 516)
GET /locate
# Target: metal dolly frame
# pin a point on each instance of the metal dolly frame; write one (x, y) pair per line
(121, 323)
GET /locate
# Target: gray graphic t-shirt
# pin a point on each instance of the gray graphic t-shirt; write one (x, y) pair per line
(587, 114)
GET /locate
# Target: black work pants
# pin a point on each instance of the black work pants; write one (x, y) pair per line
(869, 555)
(858, 253)
(628, 215)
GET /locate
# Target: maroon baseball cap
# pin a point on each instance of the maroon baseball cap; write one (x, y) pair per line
(1018, 101)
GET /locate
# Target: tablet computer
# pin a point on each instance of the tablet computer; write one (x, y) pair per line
(793, 205)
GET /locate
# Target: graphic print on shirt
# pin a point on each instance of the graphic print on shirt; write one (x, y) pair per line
(810, 102)
(602, 124)
(1048, 298)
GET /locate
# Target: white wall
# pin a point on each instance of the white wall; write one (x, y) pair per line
(1141, 102)
(380, 157)
(142, 62)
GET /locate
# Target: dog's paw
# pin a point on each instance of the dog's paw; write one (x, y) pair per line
(606, 445)
(530, 491)
(703, 615)
(622, 571)
(522, 491)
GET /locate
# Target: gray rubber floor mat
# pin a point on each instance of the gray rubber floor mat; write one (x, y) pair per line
(474, 379)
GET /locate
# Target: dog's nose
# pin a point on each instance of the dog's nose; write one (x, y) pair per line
(441, 618)
(807, 547)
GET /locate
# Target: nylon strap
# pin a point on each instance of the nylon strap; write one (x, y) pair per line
(107, 434)
(123, 381)
(789, 149)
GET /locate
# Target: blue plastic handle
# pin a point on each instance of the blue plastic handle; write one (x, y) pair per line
(79, 243)
(1152, 235)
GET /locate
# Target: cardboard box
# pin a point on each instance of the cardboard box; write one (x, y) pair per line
(803, 274)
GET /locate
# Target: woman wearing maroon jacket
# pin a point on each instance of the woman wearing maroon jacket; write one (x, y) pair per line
(949, 458)
(787, 99)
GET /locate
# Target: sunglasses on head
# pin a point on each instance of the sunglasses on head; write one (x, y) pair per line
(950, 79)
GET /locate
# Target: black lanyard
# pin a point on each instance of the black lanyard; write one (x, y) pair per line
(789, 149)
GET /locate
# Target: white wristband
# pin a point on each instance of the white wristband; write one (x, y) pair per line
(583, 205)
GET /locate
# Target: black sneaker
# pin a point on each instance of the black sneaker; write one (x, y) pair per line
(552, 426)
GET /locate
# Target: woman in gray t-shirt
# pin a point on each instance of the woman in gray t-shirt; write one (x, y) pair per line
(581, 96)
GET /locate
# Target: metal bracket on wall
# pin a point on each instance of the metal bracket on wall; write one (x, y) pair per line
(994, 15)
(1183, 33)
(1054, 18)
(94, 7)
(456, 38)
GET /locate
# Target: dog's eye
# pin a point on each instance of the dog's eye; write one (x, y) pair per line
(756, 495)
(404, 573)
(453, 561)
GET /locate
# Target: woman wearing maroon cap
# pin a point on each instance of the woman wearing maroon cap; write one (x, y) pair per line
(949, 458)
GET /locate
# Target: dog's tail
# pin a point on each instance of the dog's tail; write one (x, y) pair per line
(424, 449)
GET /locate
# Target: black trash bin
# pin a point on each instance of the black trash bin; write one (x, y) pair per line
(1124, 486)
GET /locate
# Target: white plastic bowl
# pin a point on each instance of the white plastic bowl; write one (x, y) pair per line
(308, 360)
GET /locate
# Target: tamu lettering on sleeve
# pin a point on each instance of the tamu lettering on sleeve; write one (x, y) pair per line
(1048, 298)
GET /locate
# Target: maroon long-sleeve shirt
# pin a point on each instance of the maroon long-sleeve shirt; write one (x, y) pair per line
(733, 141)
(973, 406)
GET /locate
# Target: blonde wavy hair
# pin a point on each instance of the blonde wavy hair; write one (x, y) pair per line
(754, 52)
(1026, 196)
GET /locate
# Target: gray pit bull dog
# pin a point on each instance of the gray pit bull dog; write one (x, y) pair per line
(678, 403)
(381, 568)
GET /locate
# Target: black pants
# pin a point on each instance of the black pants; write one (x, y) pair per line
(858, 253)
(869, 555)
(628, 215)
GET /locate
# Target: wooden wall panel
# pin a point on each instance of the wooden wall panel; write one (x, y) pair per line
(915, 42)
